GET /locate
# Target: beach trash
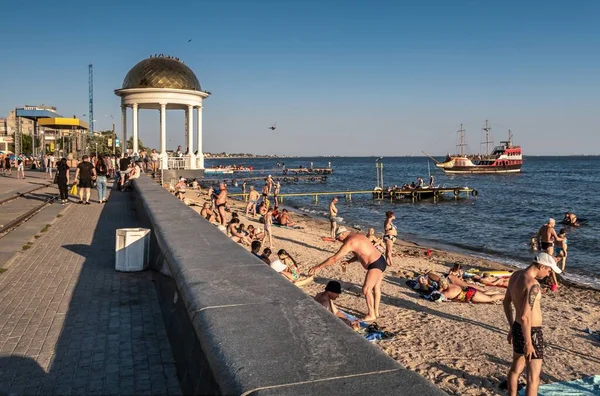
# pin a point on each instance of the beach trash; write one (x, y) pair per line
(132, 249)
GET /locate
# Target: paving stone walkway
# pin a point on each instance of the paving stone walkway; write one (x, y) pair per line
(71, 325)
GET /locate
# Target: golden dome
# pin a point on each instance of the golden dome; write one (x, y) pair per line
(161, 72)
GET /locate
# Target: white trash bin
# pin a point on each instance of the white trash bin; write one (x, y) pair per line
(132, 249)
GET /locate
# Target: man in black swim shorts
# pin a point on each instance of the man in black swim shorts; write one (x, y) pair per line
(370, 258)
(526, 327)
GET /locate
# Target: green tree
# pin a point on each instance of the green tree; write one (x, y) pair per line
(26, 143)
(140, 144)
(100, 142)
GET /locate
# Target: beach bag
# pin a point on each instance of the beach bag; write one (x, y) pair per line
(73, 191)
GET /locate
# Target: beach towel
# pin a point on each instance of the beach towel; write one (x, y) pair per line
(328, 239)
(435, 296)
(582, 387)
(372, 332)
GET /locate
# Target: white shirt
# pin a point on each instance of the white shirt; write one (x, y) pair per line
(278, 266)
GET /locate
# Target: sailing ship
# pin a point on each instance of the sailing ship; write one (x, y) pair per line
(505, 158)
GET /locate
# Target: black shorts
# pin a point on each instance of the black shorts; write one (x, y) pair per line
(518, 341)
(85, 183)
(379, 264)
(546, 245)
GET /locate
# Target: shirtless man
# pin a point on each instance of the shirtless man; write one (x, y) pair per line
(253, 197)
(207, 212)
(526, 327)
(326, 298)
(221, 202)
(285, 219)
(269, 183)
(467, 294)
(265, 191)
(370, 258)
(547, 235)
(333, 212)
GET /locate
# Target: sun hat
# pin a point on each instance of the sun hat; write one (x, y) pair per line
(547, 260)
(340, 231)
(334, 287)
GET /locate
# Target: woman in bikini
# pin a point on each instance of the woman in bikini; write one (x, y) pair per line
(390, 235)
(291, 272)
(255, 233)
(467, 294)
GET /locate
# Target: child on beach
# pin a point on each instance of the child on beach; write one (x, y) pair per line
(561, 248)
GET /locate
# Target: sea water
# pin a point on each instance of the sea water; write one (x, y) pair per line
(498, 224)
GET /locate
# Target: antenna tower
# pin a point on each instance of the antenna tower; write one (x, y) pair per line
(91, 109)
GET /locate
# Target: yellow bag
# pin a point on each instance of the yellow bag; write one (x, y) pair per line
(73, 191)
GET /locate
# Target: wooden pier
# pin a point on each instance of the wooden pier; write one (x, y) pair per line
(394, 196)
(279, 178)
(308, 171)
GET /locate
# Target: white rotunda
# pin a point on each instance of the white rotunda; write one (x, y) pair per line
(165, 83)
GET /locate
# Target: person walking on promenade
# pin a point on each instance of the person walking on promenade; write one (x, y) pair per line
(62, 177)
(85, 173)
(526, 336)
(101, 174)
(333, 212)
(50, 165)
(20, 166)
(221, 202)
(7, 165)
(390, 236)
(370, 258)
(253, 197)
(124, 168)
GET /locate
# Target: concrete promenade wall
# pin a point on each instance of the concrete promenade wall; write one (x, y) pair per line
(238, 328)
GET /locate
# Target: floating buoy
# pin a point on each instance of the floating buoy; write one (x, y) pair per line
(456, 192)
(323, 178)
(295, 179)
(285, 179)
(474, 193)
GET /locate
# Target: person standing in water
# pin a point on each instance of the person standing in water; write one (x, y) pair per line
(390, 236)
(526, 337)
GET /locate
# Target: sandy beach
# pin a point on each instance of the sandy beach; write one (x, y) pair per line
(461, 347)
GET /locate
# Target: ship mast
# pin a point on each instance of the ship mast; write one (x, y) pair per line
(487, 142)
(462, 144)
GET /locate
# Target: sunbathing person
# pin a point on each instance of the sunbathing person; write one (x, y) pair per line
(285, 219)
(378, 243)
(454, 280)
(266, 256)
(486, 279)
(233, 232)
(467, 294)
(291, 271)
(255, 234)
(208, 213)
(326, 298)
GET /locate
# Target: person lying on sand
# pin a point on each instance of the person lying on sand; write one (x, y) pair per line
(370, 258)
(467, 294)
(326, 299)
(458, 281)
(457, 273)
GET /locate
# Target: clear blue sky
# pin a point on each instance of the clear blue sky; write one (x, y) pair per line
(338, 77)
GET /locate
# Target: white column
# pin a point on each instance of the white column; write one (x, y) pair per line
(124, 128)
(135, 127)
(199, 154)
(187, 128)
(190, 136)
(163, 137)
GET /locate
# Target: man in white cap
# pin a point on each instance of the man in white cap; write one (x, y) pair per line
(370, 258)
(524, 293)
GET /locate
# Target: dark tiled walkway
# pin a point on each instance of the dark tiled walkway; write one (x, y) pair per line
(71, 324)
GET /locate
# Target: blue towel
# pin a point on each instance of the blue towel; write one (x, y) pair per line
(587, 386)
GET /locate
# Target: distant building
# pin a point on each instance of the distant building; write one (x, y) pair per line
(5, 139)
